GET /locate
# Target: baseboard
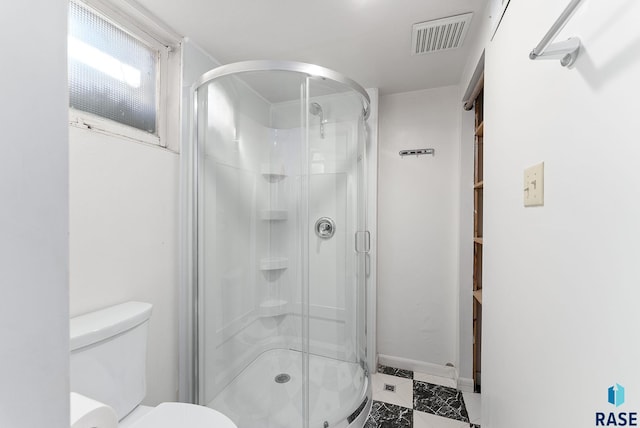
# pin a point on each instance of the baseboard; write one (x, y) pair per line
(418, 366)
(465, 384)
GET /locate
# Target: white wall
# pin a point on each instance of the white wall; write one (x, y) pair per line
(123, 240)
(561, 281)
(34, 329)
(417, 223)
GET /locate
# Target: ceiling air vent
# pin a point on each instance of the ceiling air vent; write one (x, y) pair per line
(440, 34)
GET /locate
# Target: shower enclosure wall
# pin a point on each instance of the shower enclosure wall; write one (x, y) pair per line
(279, 245)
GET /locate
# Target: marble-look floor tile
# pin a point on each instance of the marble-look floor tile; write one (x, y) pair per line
(384, 415)
(439, 400)
(403, 394)
(473, 403)
(395, 372)
(427, 420)
(436, 380)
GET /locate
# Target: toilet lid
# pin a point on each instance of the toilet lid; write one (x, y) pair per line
(181, 415)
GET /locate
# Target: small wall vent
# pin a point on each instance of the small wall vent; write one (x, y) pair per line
(440, 34)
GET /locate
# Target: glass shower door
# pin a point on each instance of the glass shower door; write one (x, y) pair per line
(249, 260)
(336, 271)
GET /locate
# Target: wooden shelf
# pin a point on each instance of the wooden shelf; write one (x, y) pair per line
(477, 294)
(478, 248)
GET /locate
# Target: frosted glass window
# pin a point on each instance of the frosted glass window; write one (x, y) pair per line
(111, 73)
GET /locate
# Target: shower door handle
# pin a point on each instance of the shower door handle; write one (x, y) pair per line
(363, 242)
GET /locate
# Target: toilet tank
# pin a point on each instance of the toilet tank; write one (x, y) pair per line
(108, 355)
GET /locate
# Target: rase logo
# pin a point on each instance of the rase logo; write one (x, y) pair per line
(615, 396)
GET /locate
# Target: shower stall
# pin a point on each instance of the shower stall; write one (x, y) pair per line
(279, 245)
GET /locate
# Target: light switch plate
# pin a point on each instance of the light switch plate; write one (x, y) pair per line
(534, 185)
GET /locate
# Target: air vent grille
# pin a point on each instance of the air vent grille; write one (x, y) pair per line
(440, 34)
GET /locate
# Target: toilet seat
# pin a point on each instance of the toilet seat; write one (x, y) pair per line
(182, 415)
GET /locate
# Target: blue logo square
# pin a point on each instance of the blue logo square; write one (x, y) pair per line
(616, 395)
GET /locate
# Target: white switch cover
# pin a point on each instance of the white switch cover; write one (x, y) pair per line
(534, 185)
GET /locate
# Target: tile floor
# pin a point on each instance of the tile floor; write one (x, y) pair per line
(406, 399)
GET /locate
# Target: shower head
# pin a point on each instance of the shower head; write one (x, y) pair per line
(315, 109)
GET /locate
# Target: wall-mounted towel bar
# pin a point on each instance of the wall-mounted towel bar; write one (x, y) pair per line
(567, 51)
(418, 152)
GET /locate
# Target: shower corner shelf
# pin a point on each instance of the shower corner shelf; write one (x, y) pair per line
(273, 177)
(274, 215)
(274, 263)
(273, 173)
(273, 308)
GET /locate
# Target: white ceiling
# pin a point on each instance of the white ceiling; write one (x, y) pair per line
(367, 40)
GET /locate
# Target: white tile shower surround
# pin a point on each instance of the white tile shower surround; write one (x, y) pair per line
(254, 400)
(403, 396)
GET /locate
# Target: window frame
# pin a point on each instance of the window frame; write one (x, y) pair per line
(167, 46)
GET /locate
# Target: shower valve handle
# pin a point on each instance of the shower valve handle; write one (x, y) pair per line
(325, 228)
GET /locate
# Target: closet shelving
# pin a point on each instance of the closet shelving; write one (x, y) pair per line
(478, 200)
